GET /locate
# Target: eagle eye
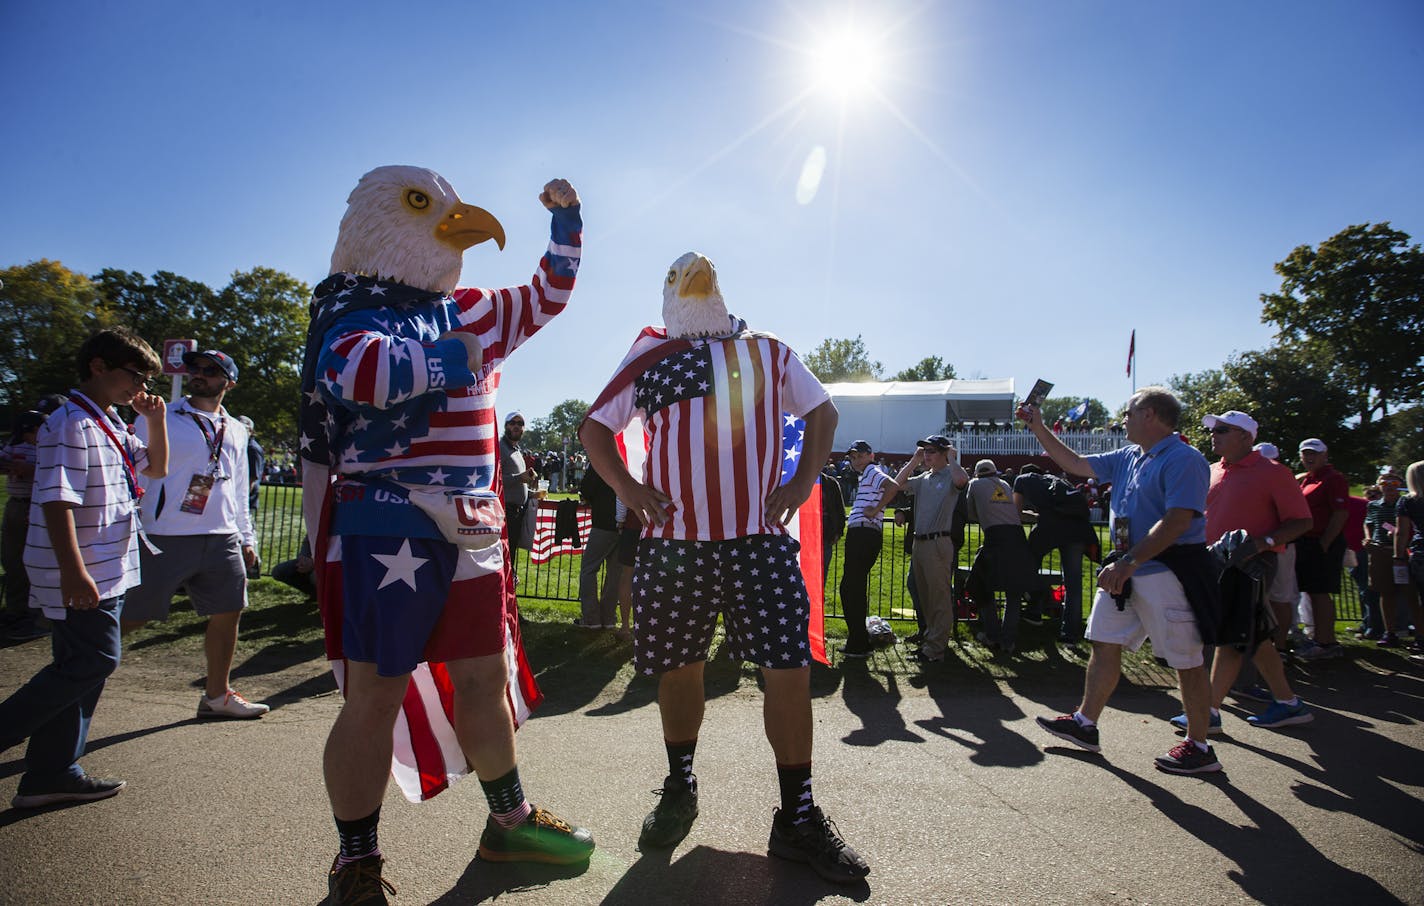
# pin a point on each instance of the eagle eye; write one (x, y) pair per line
(417, 199)
(672, 276)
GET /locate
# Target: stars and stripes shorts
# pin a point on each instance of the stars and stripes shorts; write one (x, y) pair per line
(400, 601)
(755, 583)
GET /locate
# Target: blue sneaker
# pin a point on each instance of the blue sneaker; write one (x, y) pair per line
(1212, 729)
(1280, 714)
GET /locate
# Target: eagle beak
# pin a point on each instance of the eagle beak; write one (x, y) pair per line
(699, 280)
(467, 225)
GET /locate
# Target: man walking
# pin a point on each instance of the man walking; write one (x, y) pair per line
(199, 520)
(1260, 499)
(863, 539)
(1158, 506)
(936, 492)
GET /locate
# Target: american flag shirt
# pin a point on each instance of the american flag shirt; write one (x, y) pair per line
(714, 410)
(388, 401)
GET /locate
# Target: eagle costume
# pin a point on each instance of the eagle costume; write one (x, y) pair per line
(397, 413)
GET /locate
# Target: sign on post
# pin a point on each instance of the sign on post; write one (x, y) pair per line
(173, 363)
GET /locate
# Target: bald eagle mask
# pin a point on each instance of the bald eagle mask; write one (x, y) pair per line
(407, 225)
(692, 300)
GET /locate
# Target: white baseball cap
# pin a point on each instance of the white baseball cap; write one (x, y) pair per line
(1233, 418)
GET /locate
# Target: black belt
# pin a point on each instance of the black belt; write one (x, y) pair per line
(929, 536)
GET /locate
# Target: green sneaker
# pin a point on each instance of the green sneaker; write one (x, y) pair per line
(542, 837)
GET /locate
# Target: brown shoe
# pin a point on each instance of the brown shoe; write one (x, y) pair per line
(359, 883)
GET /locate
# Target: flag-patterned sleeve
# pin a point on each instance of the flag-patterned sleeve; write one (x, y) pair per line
(504, 318)
(362, 365)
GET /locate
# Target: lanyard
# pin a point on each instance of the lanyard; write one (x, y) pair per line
(213, 442)
(103, 421)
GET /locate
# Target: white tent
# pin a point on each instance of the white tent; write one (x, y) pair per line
(893, 415)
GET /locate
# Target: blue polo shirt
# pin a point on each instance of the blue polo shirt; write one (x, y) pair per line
(1145, 485)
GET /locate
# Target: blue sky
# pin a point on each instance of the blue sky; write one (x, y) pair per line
(1022, 185)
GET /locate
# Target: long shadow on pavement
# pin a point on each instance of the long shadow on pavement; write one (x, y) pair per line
(1277, 864)
(704, 875)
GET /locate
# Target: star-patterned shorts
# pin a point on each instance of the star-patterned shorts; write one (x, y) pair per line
(679, 588)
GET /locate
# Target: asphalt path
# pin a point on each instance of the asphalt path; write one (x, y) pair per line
(946, 786)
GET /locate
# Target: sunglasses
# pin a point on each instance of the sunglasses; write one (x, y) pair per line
(207, 370)
(1219, 429)
(138, 377)
(516, 424)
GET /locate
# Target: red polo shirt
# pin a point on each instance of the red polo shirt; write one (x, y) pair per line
(1255, 494)
(1326, 491)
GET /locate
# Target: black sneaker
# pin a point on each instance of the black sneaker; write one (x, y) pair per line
(72, 789)
(358, 883)
(670, 821)
(1065, 727)
(1186, 758)
(856, 651)
(542, 837)
(817, 842)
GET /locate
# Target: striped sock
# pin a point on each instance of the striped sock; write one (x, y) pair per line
(679, 756)
(358, 838)
(506, 799)
(795, 782)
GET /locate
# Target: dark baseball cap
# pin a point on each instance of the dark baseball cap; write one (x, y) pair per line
(223, 360)
(938, 441)
(860, 446)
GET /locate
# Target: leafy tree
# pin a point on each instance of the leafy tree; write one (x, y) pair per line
(1055, 407)
(549, 431)
(170, 307)
(46, 312)
(1357, 301)
(260, 319)
(1207, 392)
(843, 360)
(930, 368)
(1289, 392)
(1402, 434)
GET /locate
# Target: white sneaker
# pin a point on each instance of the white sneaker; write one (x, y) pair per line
(230, 706)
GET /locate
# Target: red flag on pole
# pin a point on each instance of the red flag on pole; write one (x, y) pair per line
(1131, 351)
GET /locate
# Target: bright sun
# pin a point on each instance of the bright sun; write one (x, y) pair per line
(846, 63)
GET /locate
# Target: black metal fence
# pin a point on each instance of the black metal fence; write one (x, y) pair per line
(278, 523)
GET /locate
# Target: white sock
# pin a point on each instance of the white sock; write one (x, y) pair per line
(1201, 746)
(1082, 721)
(1291, 702)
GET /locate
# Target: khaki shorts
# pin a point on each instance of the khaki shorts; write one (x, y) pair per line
(1158, 609)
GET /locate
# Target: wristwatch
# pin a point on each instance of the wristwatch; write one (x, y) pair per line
(1128, 559)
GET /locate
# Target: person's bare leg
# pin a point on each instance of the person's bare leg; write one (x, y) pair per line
(1268, 662)
(483, 723)
(357, 760)
(681, 702)
(1225, 667)
(1196, 700)
(786, 714)
(1104, 670)
(219, 644)
(1322, 606)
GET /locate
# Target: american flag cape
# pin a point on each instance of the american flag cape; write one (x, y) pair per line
(653, 345)
(546, 547)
